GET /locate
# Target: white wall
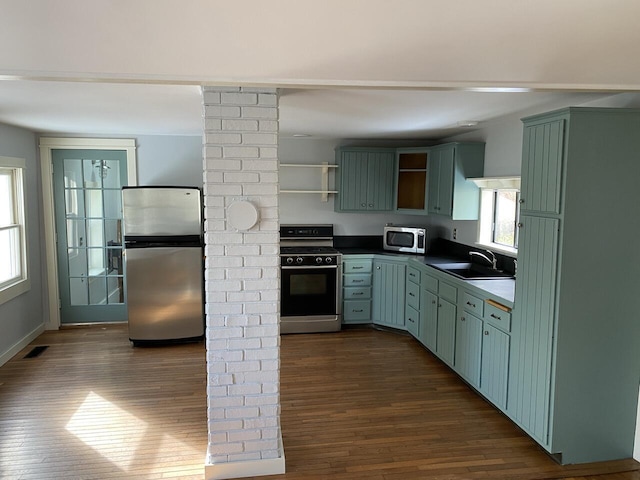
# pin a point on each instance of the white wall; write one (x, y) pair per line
(22, 317)
(308, 208)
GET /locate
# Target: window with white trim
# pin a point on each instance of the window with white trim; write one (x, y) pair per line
(13, 244)
(499, 213)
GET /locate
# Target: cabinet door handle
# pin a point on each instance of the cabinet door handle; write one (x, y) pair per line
(439, 305)
(463, 319)
(520, 224)
(377, 268)
(521, 201)
(411, 320)
(486, 332)
(363, 204)
(495, 316)
(371, 205)
(433, 301)
(411, 294)
(471, 304)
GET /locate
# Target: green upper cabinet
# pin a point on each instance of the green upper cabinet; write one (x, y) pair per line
(542, 152)
(411, 180)
(365, 180)
(450, 193)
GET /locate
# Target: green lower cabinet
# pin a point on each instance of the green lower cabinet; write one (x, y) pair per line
(469, 348)
(446, 334)
(356, 291)
(495, 365)
(356, 312)
(412, 320)
(428, 319)
(389, 293)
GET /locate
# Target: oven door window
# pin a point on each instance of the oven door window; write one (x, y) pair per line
(308, 291)
(400, 239)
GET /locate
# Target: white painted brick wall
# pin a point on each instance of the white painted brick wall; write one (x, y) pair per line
(242, 275)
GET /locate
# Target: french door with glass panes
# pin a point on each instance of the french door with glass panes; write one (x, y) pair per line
(88, 208)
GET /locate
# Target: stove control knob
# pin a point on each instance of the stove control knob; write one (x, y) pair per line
(328, 260)
(289, 260)
(299, 260)
(318, 260)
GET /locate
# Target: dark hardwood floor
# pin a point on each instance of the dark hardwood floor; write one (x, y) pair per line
(359, 404)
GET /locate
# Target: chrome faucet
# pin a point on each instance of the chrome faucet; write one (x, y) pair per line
(493, 260)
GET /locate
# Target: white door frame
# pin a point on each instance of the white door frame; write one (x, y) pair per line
(47, 144)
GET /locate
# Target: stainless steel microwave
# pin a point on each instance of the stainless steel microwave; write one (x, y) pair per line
(405, 239)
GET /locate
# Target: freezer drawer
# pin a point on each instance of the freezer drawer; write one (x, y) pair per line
(164, 293)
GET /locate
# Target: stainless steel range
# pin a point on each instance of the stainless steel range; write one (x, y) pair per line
(310, 280)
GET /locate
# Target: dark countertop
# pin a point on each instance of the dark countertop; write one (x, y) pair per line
(503, 289)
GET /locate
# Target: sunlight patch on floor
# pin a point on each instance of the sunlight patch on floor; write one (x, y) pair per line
(108, 429)
(118, 435)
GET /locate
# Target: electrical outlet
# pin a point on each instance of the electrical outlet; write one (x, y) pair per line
(455, 233)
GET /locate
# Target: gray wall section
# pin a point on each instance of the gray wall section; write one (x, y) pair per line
(24, 314)
(169, 160)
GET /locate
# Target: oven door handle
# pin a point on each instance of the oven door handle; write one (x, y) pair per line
(296, 267)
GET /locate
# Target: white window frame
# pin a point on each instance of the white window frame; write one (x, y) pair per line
(488, 187)
(22, 283)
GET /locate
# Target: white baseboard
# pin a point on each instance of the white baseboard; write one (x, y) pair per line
(30, 337)
(254, 468)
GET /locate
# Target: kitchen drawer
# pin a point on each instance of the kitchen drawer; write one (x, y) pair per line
(356, 266)
(430, 283)
(356, 310)
(497, 316)
(413, 274)
(472, 304)
(448, 292)
(413, 294)
(411, 320)
(357, 293)
(356, 280)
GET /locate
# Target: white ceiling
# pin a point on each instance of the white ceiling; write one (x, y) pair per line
(138, 109)
(406, 69)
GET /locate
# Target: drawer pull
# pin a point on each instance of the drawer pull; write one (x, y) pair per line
(471, 304)
(357, 293)
(357, 268)
(357, 281)
(357, 311)
(493, 315)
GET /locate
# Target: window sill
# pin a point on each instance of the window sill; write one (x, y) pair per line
(511, 252)
(11, 292)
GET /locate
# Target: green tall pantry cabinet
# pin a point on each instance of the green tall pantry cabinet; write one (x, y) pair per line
(574, 362)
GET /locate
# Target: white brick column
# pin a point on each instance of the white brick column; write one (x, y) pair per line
(242, 283)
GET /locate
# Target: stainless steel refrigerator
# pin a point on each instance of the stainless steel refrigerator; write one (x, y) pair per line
(163, 259)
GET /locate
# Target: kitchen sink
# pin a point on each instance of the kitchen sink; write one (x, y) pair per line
(470, 271)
